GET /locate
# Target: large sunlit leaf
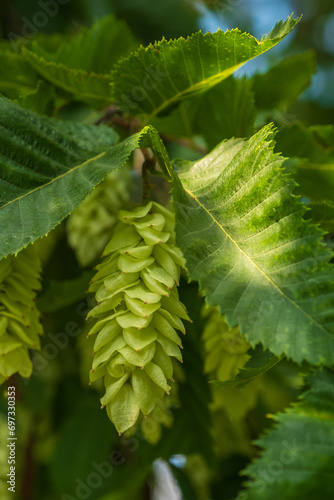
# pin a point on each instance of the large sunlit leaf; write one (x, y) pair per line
(159, 76)
(246, 242)
(297, 461)
(48, 167)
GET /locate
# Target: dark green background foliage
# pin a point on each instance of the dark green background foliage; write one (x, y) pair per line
(242, 130)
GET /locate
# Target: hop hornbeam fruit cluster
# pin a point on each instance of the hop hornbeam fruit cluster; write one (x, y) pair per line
(19, 318)
(88, 227)
(138, 314)
(225, 348)
(225, 353)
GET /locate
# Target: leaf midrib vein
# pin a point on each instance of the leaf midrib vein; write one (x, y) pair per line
(255, 265)
(192, 88)
(60, 177)
(247, 378)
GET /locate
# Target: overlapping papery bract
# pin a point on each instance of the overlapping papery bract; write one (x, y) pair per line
(19, 318)
(138, 314)
(226, 352)
(225, 348)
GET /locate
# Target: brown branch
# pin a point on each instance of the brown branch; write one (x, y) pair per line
(185, 142)
(29, 468)
(114, 116)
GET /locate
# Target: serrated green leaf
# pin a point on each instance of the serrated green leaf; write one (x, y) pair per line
(157, 77)
(244, 239)
(48, 167)
(45, 171)
(298, 456)
(260, 361)
(282, 84)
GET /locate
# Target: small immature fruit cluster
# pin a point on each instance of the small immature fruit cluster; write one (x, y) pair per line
(138, 313)
(225, 354)
(225, 348)
(19, 318)
(88, 227)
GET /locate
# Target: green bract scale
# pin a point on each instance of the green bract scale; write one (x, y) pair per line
(225, 348)
(19, 318)
(138, 314)
(88, 227)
